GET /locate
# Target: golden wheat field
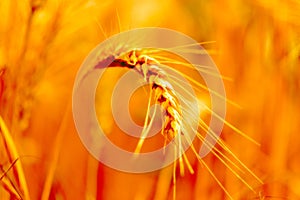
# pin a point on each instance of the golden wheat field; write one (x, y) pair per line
(256, 44)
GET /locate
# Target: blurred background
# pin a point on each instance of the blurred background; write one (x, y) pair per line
(44, 42)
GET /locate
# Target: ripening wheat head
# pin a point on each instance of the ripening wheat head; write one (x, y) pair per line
(42, 45)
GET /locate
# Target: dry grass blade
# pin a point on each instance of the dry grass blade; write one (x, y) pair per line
(7, 183)
(10, 188)
(13, 156)
(6, 171)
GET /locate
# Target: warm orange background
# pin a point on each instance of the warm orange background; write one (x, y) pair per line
(43, 43)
